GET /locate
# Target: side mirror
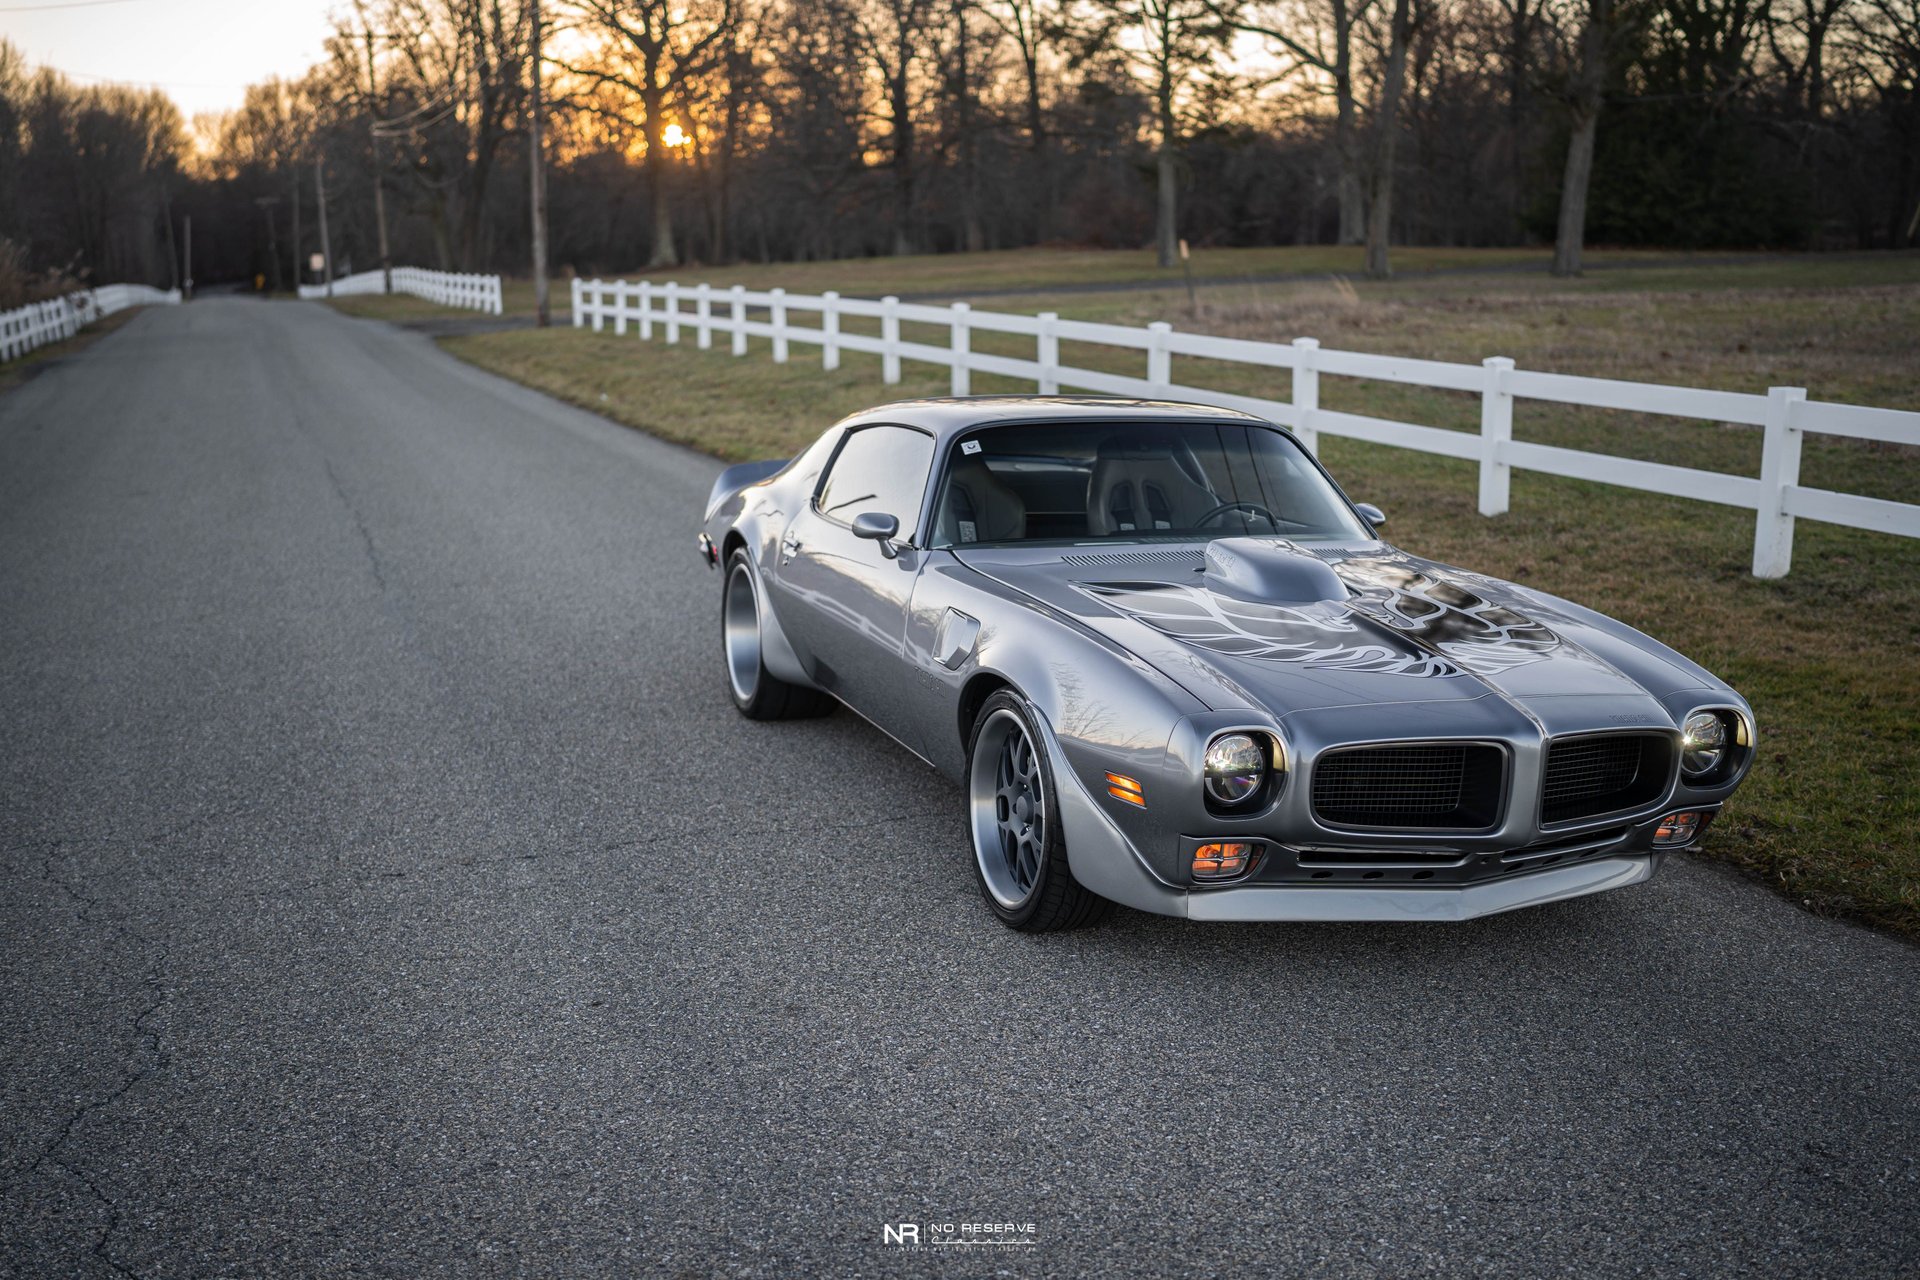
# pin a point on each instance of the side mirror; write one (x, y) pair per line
(880, 527)
(1372, 514)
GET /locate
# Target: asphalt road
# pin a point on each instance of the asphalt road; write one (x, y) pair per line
(389, 889)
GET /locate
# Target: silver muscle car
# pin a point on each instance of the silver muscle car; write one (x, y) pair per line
(1174, 667)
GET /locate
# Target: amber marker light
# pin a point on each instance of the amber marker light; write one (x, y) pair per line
(1221, 861)
(1677, 829)
(1121, 787)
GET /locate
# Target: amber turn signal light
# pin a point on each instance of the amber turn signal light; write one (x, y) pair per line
(1677, 829)
(1121, 787)
(1221, 861)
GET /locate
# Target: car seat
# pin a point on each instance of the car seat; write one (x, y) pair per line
(1146, 483)
(979, 508)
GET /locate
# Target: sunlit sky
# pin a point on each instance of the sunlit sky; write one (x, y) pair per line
(204, 53)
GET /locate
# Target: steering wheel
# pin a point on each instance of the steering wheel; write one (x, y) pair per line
(1251, 508)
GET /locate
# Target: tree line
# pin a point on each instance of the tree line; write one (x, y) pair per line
(726, 130)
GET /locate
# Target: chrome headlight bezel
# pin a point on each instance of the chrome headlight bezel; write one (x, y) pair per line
(1240, 769)
(1715, 744)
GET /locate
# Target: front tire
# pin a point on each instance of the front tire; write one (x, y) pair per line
(757, 692)
(1013, 821)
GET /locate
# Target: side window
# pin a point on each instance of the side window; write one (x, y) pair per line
(878, 469)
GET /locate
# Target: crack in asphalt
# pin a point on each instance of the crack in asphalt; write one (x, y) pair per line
(147, 1044)
(359, 522)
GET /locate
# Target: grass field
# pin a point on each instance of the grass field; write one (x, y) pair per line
(1830, 657)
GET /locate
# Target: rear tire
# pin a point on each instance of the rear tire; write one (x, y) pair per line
(1013, 824)
(757, 692)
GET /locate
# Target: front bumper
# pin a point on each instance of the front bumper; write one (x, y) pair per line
(1105, 861)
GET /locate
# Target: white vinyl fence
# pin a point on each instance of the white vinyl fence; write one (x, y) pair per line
(1784, 413)
(33, 326)
(476, 293)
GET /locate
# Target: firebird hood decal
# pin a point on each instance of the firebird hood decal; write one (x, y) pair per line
(1409, 630)
(1480, 635)
(1452, 630)
(1323, 636)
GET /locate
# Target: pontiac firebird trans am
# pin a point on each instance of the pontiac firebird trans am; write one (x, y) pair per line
(1175, 667)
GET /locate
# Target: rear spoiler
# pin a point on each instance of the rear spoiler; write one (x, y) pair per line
(736, 478)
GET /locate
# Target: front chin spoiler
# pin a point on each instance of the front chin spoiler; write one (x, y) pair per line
(1458, 902)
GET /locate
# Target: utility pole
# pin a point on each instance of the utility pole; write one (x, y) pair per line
(379, 188)
(266, 204)
(173, 249)
(543, 307)
(326, 242)
(296, 228)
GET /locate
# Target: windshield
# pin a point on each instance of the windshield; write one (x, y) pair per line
(1132, 481)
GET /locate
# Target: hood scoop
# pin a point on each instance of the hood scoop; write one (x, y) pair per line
(1270, 569)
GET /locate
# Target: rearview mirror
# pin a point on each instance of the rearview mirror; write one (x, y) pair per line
(1372, 514)
(880, 527)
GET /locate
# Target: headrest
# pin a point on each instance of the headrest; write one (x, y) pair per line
(978, 508)
(1151, 446)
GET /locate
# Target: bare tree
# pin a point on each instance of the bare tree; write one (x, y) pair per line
(889, 36)
(1031, 26)
(1797, 32)
(1584, 98)
(1172, 44)
(1521, 20)
(654, 50)
(962, 93)
(1883, 41)
(457, 79)
(1386, 133)
(1327, 48)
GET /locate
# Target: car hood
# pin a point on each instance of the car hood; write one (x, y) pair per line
(1269, 624)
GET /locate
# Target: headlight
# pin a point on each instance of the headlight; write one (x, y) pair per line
(1236, 765)
(1704, 745)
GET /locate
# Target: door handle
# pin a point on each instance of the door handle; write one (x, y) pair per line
(789, 548)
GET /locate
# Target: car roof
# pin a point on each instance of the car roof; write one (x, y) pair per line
(948, 416)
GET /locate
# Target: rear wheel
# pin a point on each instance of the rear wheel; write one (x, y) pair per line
(1013, 818)
(758, 693)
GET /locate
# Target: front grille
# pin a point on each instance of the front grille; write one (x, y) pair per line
(1439, 786)
(1607, 774)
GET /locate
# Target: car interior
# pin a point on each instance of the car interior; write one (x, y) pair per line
(1091, 482)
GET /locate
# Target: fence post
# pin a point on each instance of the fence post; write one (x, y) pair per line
(890, 339)
(620, 308)
(1159, 359)
(646, 311)
(1306, 393)
(830, 329)
(578, 317)
(673, 311)
(960, 348)
(1496, 429)
(738, 309)
(599, 304)
(779, 309)
(1049, 353)
(703, 307)
(1779, 471)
